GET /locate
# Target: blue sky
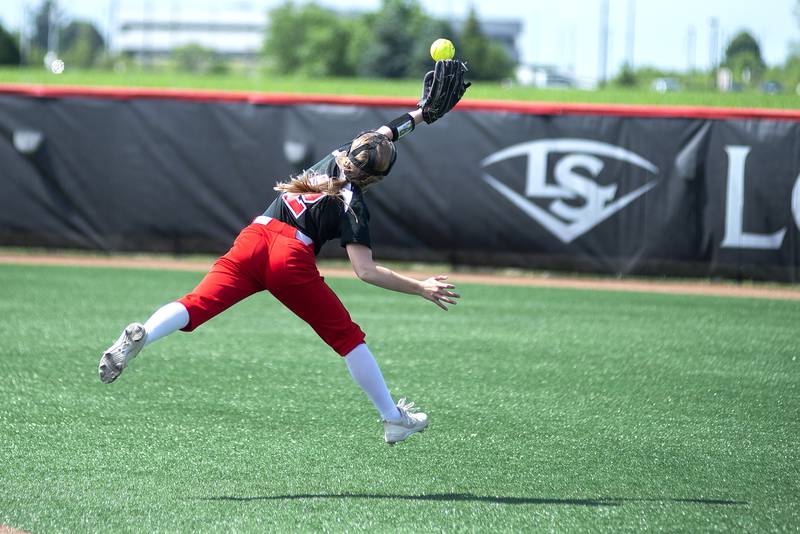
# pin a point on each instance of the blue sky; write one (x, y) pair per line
(563, 32)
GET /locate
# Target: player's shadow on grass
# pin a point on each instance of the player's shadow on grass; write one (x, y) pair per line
(600, 501)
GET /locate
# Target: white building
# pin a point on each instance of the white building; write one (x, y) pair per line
(153, 31)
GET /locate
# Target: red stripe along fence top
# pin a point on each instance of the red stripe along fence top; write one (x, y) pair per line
(289, 99)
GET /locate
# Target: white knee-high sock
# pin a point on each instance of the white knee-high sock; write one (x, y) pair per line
(365, 371)
(166, 320)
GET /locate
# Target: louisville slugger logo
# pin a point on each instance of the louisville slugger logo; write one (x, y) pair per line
(574, 200)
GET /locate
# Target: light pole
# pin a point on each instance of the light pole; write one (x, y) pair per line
(713, 45)
(631, 35)
(23, 35)
(603, 59)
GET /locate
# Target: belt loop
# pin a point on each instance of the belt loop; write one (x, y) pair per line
(304, 238)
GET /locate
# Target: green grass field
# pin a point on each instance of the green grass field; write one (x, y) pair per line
(551, 409)
(257, 81)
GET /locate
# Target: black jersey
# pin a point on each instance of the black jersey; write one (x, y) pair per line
(324, 217)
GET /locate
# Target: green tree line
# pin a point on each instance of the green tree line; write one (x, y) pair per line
(392, 42)
(300, 38)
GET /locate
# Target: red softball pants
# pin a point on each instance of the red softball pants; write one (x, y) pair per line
(271, 257)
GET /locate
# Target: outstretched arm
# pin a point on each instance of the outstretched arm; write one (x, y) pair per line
(442, 89)
(435, 288)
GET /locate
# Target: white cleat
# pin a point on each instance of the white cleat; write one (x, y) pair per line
(117, 356)
(410, 422)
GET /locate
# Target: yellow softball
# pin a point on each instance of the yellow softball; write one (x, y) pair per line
(442, 49)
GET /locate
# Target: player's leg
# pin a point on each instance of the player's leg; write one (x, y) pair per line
(309, 297)
(226, 284)
(366, 373)
(166, 320)
(136, 336)
(231, 279)
(399, 421)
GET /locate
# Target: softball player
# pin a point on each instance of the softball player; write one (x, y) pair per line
(277, 252)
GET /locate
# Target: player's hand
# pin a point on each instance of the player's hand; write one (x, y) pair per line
(436, 290)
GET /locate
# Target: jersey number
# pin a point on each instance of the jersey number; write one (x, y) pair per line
(298, 204)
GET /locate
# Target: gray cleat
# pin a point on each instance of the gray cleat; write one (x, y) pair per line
(410, 423)
(117, 356)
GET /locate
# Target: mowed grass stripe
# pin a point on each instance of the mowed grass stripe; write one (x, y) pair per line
(483, 90)
(551, 409)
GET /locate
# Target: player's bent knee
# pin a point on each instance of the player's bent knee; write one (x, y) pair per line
(344, 342)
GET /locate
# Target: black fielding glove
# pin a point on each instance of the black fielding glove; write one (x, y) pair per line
(442, 88)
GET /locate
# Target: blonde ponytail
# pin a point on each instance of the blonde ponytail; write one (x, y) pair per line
(306, 183)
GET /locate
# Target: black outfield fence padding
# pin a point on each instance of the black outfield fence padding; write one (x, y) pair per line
(607, 189)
